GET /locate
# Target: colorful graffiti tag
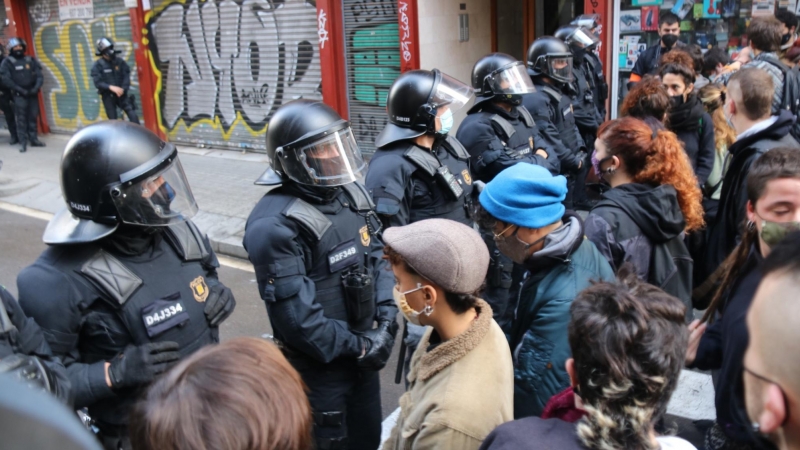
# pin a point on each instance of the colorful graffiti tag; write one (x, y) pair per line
(224, 66)
(66, 52)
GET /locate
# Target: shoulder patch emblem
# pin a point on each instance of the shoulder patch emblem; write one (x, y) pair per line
(199, 289)
(467, 177)
(365, 237)
(530, 142)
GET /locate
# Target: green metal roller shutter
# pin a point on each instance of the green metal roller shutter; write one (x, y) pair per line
(226, 66)
(66, 53)
(372, 51)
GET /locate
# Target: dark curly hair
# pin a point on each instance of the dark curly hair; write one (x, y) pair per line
(459, 303)
(628, 341)
(648, 98)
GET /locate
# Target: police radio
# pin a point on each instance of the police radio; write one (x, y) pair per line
(449, 182)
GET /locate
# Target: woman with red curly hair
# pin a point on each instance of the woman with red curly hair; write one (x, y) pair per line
(647, 100)
(654, 199)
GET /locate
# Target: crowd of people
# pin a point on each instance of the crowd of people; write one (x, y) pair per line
(526, 325)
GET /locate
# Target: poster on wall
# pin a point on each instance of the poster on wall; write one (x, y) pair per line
(75, 9)
(712, 9)
(630, 20)
(682, 8)
(650, 18)
(763, 8)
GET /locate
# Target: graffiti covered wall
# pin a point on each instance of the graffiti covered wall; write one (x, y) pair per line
(66, 52)
(224, 66)
(373, 63)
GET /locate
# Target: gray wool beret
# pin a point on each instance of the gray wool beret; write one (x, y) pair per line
(448, 253)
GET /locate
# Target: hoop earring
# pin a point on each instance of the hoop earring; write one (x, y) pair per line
(427, 310)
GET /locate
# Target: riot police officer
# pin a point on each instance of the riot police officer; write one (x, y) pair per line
(593, 62)
(419, 171)
(7, 105)
(550, 68)
(112, 78)
(314, 244)
(587, 117)
(22, 74)
(24, 353)
(499, 132)
(128, 284)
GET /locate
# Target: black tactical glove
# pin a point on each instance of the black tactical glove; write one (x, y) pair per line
(137, 366)
(378, 343)
(219, 304)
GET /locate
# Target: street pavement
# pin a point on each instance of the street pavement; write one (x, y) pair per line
(222, 183)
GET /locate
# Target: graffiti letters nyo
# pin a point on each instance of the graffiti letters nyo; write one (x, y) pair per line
(225, 66)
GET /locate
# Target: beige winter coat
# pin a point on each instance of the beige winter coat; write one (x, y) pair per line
(459, 392)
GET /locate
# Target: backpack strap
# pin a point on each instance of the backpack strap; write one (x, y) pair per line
(111, 276)
(310, 218)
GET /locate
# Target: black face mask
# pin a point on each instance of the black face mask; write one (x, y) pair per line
(17, 53)
(669, 40)
(677, 100)
(578, 55)
(110, 53)
(785, 38)
(511, 99)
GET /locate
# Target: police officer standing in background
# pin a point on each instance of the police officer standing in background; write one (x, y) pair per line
(7, 105)
(498, 133)
(550, 68)
(112, 78)
(319, 265)
(23, 76)
(128, 284)
(588, 119)
(593, 62)
(419, 171)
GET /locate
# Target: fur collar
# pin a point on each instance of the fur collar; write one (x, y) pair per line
(448, 352)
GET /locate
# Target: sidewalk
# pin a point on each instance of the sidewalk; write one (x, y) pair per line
(221, 180)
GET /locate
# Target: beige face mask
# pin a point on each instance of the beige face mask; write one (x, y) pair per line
(411, 315)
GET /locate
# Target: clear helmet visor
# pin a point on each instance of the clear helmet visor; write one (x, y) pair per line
(589, 21)
(511, 79)
(451, 93)
(331, 160)
(163, 198)
(583, 38)
(560, 68)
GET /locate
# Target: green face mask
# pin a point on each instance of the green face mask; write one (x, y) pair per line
(773, 233)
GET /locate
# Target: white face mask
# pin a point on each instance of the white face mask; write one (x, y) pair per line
(411, 315)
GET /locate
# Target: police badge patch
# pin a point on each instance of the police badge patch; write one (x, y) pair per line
(199, 289)
(530, 142)
(365, 237)
(467, 178)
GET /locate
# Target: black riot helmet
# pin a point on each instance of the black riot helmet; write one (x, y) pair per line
(579, 40)
(309, 143)
(16, 41)
(550, 57)
(499, 76)
(416, 99)
(589, 21)
(117, 172)
(105, 46)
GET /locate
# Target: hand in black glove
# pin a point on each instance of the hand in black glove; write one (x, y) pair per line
(219, 304)
(137, 366)
(378, 343)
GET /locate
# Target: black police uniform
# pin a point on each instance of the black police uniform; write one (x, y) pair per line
(133, 287)
(24, 353)
(23, 76)
(588, 120)
(407, 186)
(595, 67)
(305, 244)
(114, 73)
(553, 112)
(7, 106)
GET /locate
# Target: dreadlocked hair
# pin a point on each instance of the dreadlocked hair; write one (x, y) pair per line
(628, 341)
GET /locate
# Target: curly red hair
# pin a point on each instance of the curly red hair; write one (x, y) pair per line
(648, 98)
(656, 157)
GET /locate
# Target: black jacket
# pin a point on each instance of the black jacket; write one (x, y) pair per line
(648, 61)
(723, 345)
(695, 129)
(724, 234)
(644, 215)
(23, 75)
(111, 73)
(533, 433)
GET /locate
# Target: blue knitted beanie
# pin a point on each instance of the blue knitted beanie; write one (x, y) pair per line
(525, 195)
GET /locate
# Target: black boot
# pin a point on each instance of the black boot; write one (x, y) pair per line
(14, 141)
(36, 143)
(23, 148)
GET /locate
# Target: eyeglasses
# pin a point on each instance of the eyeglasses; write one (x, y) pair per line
(783, 394)
(500, 234)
